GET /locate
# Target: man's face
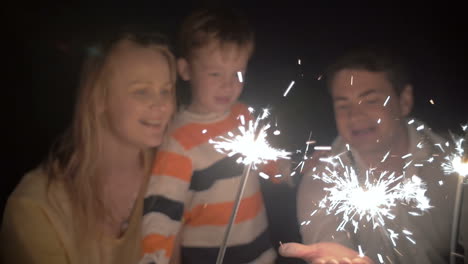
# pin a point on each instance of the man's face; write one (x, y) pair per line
(214, 75)
(368, 111)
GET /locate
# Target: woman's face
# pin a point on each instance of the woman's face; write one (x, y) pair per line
(140, 98)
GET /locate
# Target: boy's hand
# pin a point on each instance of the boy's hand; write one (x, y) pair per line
(323, 253)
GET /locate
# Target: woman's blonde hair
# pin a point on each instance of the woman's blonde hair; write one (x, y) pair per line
(73, 159)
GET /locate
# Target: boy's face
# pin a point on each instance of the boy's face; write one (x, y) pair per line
(369, 122)
(213, 72)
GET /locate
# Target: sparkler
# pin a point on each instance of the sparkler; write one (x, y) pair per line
(251, 143)
(374, 200)
(457, 163)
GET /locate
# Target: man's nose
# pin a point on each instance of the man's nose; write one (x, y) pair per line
(356, 110)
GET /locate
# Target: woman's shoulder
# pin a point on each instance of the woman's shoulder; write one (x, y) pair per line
(33, 185)
(34, 188)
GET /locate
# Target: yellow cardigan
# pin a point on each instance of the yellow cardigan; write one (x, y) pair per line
(37, 228)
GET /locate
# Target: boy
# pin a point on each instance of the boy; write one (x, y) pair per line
(192, 187)
(372, 97)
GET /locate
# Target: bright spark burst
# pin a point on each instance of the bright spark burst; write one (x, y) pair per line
(251, 143)
(374, 200)
(455, 162)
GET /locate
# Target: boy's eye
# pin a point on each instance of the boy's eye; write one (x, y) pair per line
(214, 74)
(142, 91)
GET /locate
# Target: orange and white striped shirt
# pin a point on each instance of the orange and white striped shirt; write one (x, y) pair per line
(191, 195)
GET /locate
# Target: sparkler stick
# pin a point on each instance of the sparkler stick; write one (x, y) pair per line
(456, 221)
(457, 163)
(240, 191)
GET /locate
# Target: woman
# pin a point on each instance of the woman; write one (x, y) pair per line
(84, 203)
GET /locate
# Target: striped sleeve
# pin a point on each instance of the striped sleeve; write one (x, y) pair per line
(164, 202)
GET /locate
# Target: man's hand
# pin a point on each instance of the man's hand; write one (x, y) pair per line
(323, 253)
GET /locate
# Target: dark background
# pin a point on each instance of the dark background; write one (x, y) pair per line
(46, 41)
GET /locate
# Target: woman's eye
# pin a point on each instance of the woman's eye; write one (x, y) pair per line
(341, 107)
(214, 74)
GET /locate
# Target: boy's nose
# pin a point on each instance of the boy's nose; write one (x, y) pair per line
(159, 103)
(230, 83)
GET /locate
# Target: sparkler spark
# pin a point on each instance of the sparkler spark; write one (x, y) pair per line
(240, 77)
(386, 100)
(322, 148)
(289, 88)
(251, 143)
(305, 158)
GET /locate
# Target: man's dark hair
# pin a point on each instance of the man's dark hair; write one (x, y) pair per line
(373, 60)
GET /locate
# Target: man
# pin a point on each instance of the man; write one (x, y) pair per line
(372, 97)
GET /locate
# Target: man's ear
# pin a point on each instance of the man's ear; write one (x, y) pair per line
(183, 68)
(406, 100)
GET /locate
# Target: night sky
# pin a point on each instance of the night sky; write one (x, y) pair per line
(46, 43)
